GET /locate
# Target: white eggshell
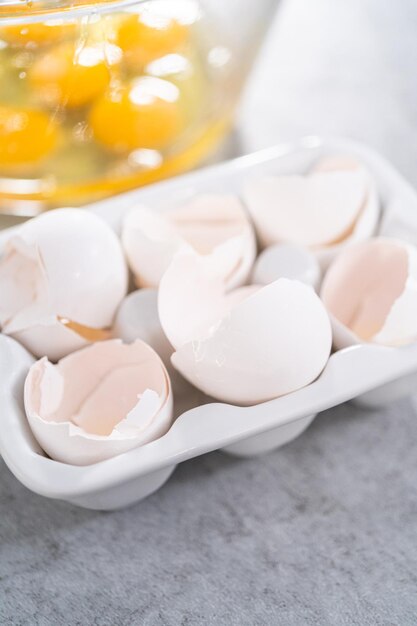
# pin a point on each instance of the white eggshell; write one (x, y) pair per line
(249, 346)
(65, 265)
(286, 260)
(366, 223)
(336, 163)
(274, 342)
(370, 291)
(311, 211)
(335, 204)
(138, 318)
(98, 402)
(212, 225)
(150, 243)
(50, 338)
(190, 299)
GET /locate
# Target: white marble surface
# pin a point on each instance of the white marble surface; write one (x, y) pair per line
(321, 532)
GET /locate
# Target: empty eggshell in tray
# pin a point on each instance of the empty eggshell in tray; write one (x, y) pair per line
(63, 280)
(247, 346)
(62, 277)
(99, 401)
(242, 346)
(366, 224)
(137, 318)
(371, 292)
(213, 225)
(335, 204)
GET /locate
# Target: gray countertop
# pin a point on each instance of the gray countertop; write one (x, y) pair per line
(323, 531)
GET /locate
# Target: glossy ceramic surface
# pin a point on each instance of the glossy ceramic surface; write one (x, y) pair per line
(367, 373)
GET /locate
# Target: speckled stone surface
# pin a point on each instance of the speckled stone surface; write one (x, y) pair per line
(323, 531)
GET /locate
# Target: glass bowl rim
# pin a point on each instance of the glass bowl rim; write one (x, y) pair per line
(29, 11)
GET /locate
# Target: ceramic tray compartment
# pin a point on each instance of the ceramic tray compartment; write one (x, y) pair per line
(369, 374)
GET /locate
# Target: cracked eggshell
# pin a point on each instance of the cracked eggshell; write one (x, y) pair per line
(335, 204)
(138, 318)
(212, 225)
(62, 277)
(370, 291)
(366, 223)
(249, 346)
(98, 402)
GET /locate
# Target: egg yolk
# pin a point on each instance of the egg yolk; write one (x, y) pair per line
(26, 135)
(86, 332)
(70, 76)
(38, 33)
(145, 114)
(146, 37)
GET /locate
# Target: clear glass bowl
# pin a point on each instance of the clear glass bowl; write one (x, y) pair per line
(96, 98)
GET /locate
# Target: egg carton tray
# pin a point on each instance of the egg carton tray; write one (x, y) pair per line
(372, 375)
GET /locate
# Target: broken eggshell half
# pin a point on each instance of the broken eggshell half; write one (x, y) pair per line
(62, 277)
(366, 223)
(212, 225)
(99, 401)
(245, 347)
(370, 291)
(334, 204)
(138, 318)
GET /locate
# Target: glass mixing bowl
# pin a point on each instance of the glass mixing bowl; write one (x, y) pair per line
(99, 97)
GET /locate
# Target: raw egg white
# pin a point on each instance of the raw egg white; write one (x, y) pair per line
(62, 277)
(215, 226)
(98, 402)
(371, 292)
(245, 347)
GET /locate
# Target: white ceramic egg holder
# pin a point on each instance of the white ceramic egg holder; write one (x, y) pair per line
(373, 375)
